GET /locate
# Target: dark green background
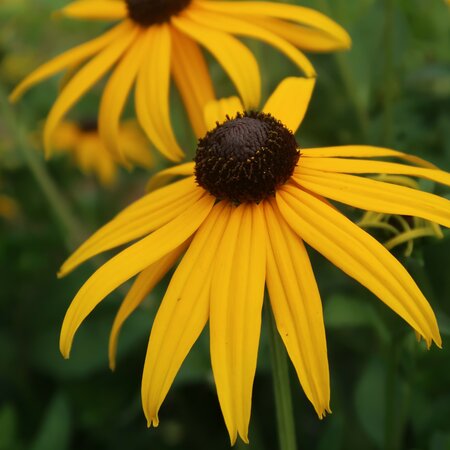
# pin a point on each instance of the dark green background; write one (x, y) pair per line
(392, 88)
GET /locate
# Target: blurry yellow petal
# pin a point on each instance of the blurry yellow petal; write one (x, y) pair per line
(142, 286)
(143, 216)
(408, 237)
(183, 313)
(106, 169)
(68, 59)
(135, 145)
(374, 195)
(237, 60)
(95, 9)
(152, 92)
(66, 136)
(115, 95)
(217, 111)
(360, 256)
(368, 166)
(85, 78)
(247, 28)
(165, 176)
(128, 263)
(237, 292)
(364, 151)
(294, 13)
(192, 78)
(289, 102)
(297, 308)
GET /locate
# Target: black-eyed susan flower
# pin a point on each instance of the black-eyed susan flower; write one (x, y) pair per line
(238, 222)
(155, 39)
(82, 141)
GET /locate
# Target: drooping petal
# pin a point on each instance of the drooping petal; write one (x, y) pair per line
(115, 95)
(152, 92)
(374, 195)
(142, 286)
(360, 256)
(237, 60)
(367, 166)
(294, 13)
(192, 78)
(67, 60)
(247, 28)
(297, 308)
(128, 263)
(217, 111)
(289, 102)
(237, 292)
(183, 313)
(85, 78)
(167, 175)
(142, 217)
(95, 10)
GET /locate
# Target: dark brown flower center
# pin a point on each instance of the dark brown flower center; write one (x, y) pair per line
(247, 158)
(151, 12)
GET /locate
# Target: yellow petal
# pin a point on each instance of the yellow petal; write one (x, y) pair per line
(191, 75)
(142, 217)
(95, 9)
(367, 166)
(294, 13)
(234, 25)
(237, 60)
(297, 308)
(128, 263)
(165, 176)
(68, 59)
(289, 102)
(115, 95)
(237, 292)
(142, 286)
(183, 313)
(217, 111)
(85, 78)
(360, 256)
(152, 92)
(377, 196)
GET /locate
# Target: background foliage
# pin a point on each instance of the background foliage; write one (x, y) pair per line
(388, 391)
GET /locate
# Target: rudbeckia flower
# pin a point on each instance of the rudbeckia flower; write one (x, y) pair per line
(155, 39)
(83, 142)
(238, 221)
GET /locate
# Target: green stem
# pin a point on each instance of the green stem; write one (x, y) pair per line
(281, 383)
(71, 229)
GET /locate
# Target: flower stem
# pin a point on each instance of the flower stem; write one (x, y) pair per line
(281, 383)
(71, 229)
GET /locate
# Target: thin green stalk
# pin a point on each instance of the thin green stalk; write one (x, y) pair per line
(71, 229)
(281, 383)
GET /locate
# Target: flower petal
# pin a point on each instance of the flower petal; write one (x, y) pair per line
(289, 102)
(237, 293)
(192, 78)
(217, 111)
(128, 263)
(143, 216)
(68, 59)
(142, 286)
(360, 256)
(183, 313)
(84, 79)
(167, 175)
(297, 308)
(95, 9)
(377, 196)
(237, 60)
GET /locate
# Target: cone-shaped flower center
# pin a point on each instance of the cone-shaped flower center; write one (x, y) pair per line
(246, 159)
(88, 125)
(151, 12)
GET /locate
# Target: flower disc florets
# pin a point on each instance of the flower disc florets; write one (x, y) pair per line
(247, 158)
(151, 12)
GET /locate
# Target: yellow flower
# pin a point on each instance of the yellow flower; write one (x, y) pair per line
(239, 221)
(8, 207)
(157, 38)
(83, 142)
